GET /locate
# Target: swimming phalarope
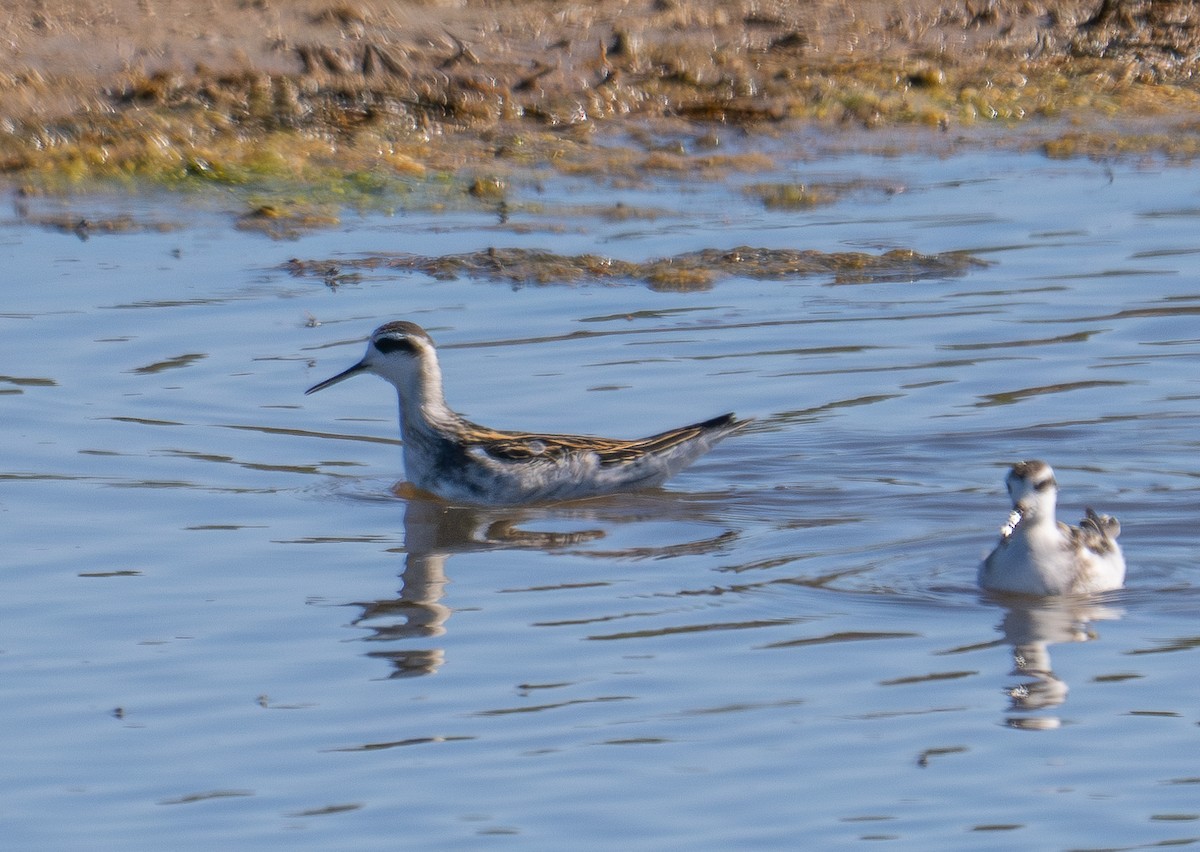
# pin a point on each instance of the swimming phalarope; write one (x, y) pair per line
(457, 460)
(1037, 555)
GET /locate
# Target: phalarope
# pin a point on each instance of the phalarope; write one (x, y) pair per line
(1037, 555)
(459, 461)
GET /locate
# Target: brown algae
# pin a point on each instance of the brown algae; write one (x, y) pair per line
(695, 270)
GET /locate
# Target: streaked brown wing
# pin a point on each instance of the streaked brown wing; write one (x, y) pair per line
(515, 446)
(1090, 536)
(520, 446)
(664, 441)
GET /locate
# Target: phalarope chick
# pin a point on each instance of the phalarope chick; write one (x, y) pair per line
(1037, 555)
(459, 461)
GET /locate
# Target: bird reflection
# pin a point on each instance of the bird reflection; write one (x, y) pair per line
(435, 531)
(1031, 627)
(432, 532)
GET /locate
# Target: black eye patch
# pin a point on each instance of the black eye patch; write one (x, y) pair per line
(1043, 485)
(394, 344)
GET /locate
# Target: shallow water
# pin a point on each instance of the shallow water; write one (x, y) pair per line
(218, 625)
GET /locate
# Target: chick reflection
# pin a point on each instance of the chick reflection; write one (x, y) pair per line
(433, 531)
(1031, 627)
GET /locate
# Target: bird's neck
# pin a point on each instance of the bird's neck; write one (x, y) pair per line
(423, 408)
(1039, 515)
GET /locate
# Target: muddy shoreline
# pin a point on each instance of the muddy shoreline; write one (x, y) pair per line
(355, 95)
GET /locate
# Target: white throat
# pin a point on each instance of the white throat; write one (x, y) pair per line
(418, 386)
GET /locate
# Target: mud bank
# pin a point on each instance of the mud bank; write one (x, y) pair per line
(355, 98)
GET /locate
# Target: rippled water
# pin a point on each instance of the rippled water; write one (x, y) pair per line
(219, 626)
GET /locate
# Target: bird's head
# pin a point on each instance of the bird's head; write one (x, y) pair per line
(400, 352)
(1033, 489)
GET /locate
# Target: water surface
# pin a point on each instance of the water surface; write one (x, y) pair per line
(219, 625)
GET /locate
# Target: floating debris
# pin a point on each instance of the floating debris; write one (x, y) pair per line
(85, 227)
(285, 224)
(688, 271)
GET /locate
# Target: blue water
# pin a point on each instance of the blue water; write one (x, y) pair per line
(219, 626)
